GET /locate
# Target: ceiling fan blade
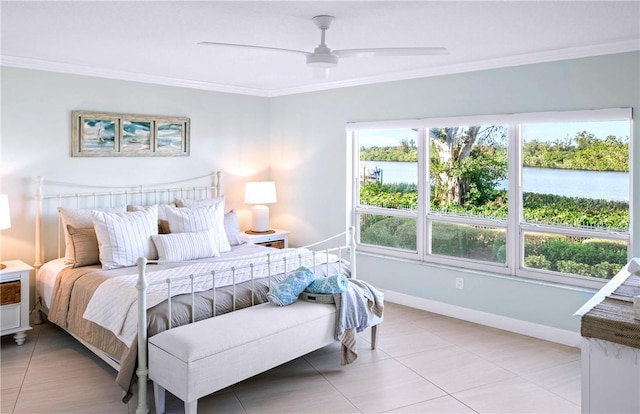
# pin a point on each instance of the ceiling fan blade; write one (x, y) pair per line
(275, 49)
(392, 51)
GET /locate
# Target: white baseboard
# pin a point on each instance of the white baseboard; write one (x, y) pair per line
(548, 333)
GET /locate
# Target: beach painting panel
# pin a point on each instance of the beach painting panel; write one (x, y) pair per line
(172, 137)
(98, 135)
(106, 134)
(136, 136)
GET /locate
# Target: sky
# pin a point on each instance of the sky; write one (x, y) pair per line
(541, 132)
(551, 132)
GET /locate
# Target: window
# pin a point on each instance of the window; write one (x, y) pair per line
(542, 195)
(388, 197)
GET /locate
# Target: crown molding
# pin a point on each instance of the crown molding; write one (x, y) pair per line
(50, 66)
(516, 60)
(511, 61)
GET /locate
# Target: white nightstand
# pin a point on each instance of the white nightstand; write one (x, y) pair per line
(14, 300)
(278, 239)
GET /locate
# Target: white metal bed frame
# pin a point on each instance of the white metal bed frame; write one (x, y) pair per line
(156, 194)
(96, 196)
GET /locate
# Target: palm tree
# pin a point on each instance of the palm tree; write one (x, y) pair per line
(451, 162)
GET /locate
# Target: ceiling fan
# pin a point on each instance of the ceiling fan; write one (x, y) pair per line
(322, 58)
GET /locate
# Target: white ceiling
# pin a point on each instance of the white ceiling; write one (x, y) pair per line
(156, 41)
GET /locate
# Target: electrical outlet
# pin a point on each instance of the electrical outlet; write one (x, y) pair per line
(459, 283)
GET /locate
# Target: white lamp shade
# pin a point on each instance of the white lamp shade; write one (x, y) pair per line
(260, 192)
(5, 216)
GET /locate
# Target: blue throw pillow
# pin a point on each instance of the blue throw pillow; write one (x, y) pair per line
(331, 284)
(288, 289)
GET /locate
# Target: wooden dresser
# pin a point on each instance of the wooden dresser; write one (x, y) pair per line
(611, 346)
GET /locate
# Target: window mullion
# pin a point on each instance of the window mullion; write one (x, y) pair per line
(515, 241)
(423, 192)
(355, 180)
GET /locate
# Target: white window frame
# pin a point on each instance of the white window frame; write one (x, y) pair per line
(514, 225)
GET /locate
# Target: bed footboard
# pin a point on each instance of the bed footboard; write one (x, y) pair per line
(344, 256)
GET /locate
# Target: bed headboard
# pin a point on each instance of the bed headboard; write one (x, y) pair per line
(50, 195)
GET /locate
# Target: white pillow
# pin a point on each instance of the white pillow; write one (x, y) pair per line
(163, 225)
(185, 246)
(187, 220)
(78, 218)
(124, 237)
(204, 202)
(232, 228)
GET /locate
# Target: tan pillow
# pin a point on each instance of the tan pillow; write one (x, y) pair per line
(80, 219)
(85, 246)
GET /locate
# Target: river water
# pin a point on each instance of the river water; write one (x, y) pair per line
(607, 185)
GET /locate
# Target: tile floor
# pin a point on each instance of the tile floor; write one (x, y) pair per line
(424, 363)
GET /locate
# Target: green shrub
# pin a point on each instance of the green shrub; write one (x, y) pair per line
(395, 232)
(576, 211)
(602, 270)
(499, 253)
(605, 270)
(537, 262)
(591, 257)
(398, 196)
(459, 240)
(564, 248)
(569, 266)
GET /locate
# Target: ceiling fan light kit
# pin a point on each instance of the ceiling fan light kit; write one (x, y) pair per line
(323, 58)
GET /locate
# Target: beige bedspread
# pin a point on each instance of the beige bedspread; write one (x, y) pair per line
(74, 287)
(72, 290)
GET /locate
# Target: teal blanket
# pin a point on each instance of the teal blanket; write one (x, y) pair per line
(288, 289)
(328, 285)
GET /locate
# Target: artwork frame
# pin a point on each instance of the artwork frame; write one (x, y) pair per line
(107, 134)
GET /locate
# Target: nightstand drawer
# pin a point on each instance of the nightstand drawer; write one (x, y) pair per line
(14, 299)
(278, 244)
(274, 238)
(10, 316)
(9, 293)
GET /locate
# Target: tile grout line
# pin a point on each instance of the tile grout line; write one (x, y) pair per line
(330, 383)
(33, 350)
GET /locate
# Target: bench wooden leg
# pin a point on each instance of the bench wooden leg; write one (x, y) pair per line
(191, 407)
(158, 397)
(374, 336)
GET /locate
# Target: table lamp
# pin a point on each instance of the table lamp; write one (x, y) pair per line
(260, 193)
(5, 217)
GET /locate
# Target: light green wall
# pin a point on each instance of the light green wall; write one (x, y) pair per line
(312, 124)
(229, 132)
(299, 141)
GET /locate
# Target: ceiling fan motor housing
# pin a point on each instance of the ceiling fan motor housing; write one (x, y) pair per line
(322, 57)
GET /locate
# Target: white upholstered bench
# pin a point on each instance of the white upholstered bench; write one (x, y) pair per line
(195, 360)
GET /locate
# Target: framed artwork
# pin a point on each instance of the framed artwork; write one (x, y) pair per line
(103, 134)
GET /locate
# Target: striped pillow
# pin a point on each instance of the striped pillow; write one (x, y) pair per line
(188, 220)
(163, 224)
(185, 246)
(124, 237)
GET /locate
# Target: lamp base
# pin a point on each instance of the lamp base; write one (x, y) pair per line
(260, 218)
(260, 232)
